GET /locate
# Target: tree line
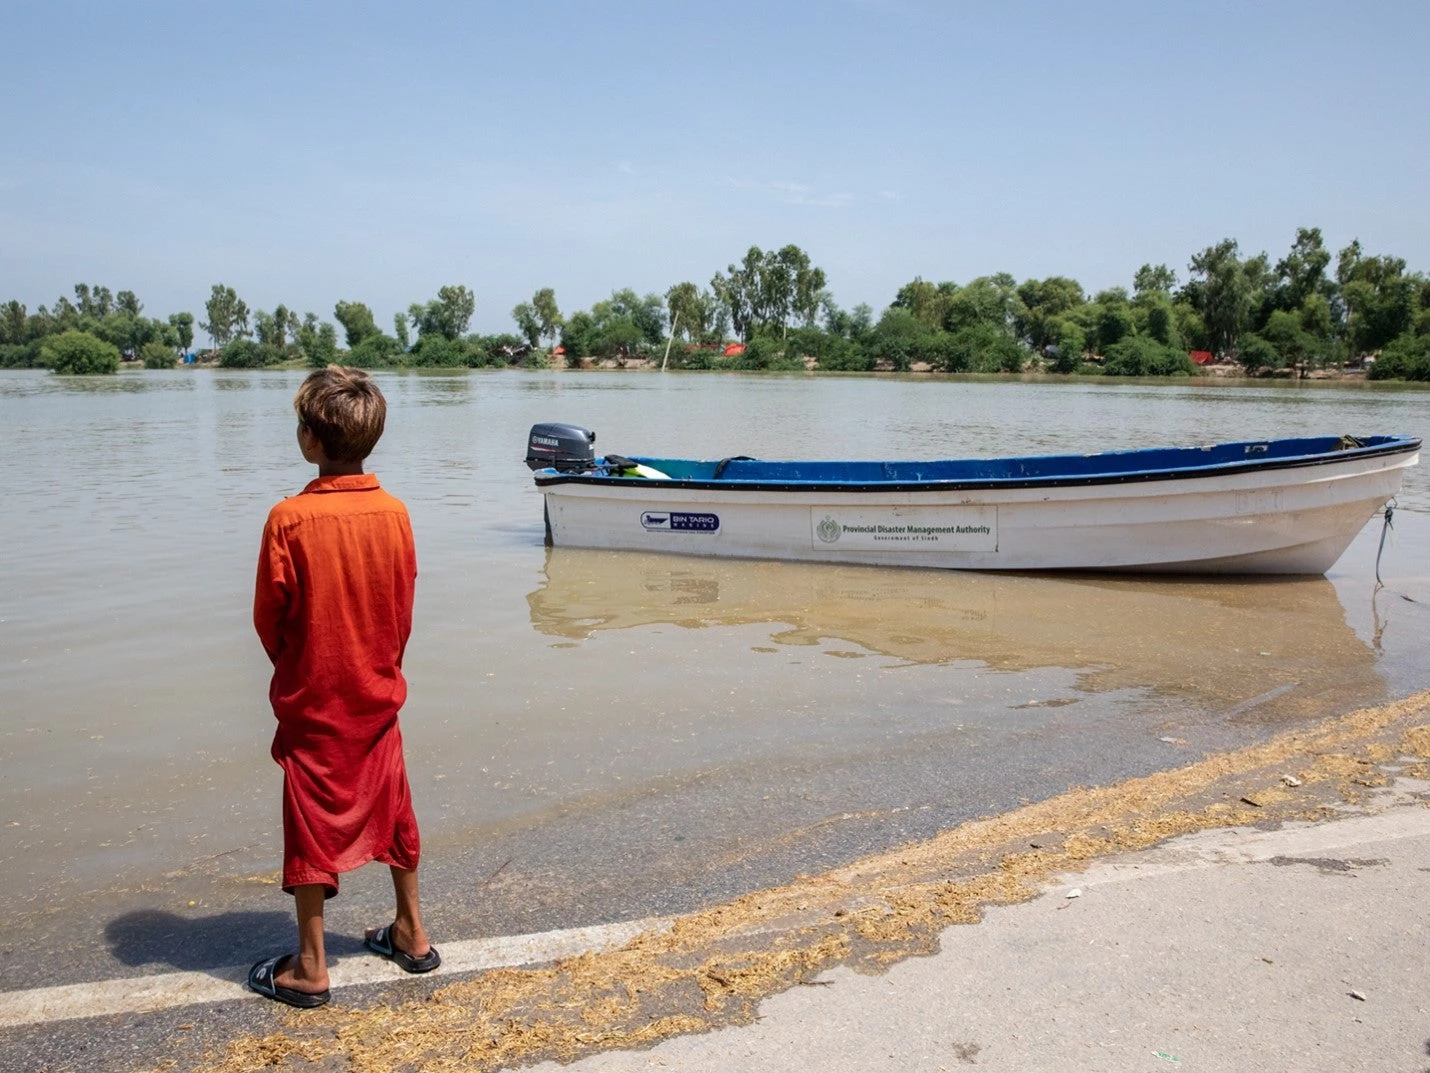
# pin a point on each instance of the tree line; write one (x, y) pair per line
(1299, 313)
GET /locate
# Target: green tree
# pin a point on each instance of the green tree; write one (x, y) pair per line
(1114, 321)
(448, 315)
(928, 302)
(1153, 280)
(1071, 346)
(766, 291)
(241, 354)
(183, 325)
(647, 314)
(1406, 357)
(689, 313)
(378, 351)
(806, 285)
(433, 350)
(988, 300)
(318, 341)
(1042, 309)
(527, 323)
(1140, 355)
(1381, 301)
(14, 323)
(79, 354)
(266, 329)
(977, 347)
(128, 302)
(548, 316)
(1191, 329)
(1294, 346)
(1302, 272)
(357, 321)
(619, 337)
(1222, 294)
(399, 331)
(1159, 319)
(1255, 353)
(456, 304)
(580, 335)
(93, 301)
(899, 338)
(157, 356)
(228, 316)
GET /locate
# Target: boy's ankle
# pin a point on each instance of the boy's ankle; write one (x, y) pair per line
(310, 966)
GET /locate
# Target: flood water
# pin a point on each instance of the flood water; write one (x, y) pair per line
(672, 717)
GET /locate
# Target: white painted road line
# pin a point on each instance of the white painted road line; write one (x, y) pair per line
(144, 994)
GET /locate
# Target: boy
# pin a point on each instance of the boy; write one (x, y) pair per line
(333, 608)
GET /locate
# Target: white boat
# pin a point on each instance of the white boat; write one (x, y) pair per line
(1287, 506)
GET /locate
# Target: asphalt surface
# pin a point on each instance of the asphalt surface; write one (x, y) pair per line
(1238, 950)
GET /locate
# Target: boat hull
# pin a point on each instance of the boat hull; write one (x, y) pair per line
(1284, 519)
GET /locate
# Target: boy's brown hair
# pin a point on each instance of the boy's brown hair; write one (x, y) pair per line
(344, 409)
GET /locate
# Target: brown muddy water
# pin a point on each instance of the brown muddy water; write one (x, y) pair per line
(566, 687)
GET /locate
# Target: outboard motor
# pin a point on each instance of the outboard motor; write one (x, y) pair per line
(565, 448)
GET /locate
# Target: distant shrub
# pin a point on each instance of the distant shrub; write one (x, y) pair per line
(377, 351)
(831, 350)
(494, 351)
(1072, 342)
(79, 354)
(319, 345)
(1255, 353)
(432, 351)
(977, 348)
(1141, 355)
(241, 354)
(1406, 357)
(700, 358)
(20, 356)
(157, 356)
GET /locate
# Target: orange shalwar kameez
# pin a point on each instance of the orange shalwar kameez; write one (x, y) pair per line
(333, 608)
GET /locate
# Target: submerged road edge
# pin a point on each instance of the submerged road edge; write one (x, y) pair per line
(145, 994)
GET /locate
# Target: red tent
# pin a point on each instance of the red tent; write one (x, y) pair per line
(1202, 357)
(732, 349)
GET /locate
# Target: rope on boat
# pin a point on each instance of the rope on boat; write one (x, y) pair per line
(1384, 529)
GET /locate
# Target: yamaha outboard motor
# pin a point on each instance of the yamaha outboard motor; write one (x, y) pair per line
(566, 448)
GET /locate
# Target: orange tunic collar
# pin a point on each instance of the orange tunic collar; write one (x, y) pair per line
(354, 482)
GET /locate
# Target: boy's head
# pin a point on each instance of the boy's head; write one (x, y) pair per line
(344, 411)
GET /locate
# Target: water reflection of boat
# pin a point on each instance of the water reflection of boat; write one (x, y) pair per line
(1281, 646)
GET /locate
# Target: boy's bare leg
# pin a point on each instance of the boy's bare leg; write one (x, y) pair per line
(309, 970)
(408, 933)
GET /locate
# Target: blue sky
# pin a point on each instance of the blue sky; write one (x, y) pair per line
(309, 152)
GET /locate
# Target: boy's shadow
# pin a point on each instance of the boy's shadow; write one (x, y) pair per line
(151, 937)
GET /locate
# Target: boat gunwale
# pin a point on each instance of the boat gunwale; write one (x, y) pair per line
(1396, 446)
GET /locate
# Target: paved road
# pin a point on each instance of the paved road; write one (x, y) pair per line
(1304, 949)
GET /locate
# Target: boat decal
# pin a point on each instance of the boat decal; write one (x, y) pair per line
(962, 528)
(678, 521)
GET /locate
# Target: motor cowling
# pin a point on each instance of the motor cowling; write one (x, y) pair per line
(565, 448)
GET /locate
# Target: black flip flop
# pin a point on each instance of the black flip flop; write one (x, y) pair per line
(261, 980)
(380, 942)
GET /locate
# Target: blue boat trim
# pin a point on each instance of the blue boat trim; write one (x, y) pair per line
(1038, 471)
